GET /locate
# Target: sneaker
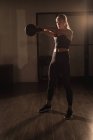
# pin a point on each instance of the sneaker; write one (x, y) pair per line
(69, 114)
(45, 108)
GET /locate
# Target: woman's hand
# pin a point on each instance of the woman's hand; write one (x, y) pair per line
(46, 30)
(51, 33)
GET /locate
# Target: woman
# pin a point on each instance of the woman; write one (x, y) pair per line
(59, 65)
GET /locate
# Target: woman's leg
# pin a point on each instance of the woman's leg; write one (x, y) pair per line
(67, 85)
(52, 77)
(69, 93)
(51, 86)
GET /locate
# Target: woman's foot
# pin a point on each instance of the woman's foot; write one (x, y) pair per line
(45, 108)
(69, 114)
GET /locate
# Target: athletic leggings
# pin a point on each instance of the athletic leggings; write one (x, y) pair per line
(60, 66)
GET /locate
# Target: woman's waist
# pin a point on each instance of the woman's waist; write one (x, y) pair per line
(61, 49)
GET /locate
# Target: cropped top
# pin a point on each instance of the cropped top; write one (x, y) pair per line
(61, 41)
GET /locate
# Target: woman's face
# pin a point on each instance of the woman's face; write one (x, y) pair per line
(60, 23)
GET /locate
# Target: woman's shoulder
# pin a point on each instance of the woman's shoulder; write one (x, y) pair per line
(69, 31)
(69, 34)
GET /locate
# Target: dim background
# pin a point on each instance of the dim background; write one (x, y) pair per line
(20, 55)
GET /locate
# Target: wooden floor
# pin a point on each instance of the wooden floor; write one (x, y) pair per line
(20, 120)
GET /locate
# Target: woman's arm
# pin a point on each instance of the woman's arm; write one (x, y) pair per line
(68, 33)
(49, 32)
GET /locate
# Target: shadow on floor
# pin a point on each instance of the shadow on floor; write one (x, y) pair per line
(16, 131)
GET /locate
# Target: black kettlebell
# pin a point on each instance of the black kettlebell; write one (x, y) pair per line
(31, 29)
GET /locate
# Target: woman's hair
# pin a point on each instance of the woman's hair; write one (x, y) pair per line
(64, 18)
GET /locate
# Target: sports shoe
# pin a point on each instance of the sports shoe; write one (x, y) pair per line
(45, 108)
(69, 114)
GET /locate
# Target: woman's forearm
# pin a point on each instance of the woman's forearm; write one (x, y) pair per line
(49, 32)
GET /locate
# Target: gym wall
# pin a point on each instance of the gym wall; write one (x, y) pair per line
(18, 49)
